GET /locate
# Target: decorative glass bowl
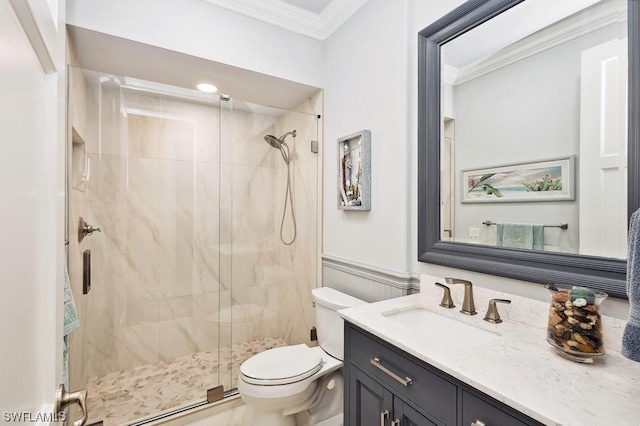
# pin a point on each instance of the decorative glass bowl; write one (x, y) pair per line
(575, 325)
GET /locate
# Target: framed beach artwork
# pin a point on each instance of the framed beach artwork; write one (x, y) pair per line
(354, 171)
(547, 180)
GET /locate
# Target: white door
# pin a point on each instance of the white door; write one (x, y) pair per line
(31, 212)
(447, 181)
(603, 150)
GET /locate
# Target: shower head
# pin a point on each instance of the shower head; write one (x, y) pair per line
(278, 142)
(273, 141)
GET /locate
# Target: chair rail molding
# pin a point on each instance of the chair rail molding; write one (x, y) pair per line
(367, 281)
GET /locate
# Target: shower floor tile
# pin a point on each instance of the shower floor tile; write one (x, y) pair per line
(122, 397)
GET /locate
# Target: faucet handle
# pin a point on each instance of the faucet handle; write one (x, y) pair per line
(492, 314)
(447, 301)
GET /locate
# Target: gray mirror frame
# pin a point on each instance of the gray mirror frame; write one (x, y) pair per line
(605, 274)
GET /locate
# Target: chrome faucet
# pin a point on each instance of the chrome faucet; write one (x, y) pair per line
(468, 307)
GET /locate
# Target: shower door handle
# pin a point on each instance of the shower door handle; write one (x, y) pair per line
(64, 398)
(85, 230)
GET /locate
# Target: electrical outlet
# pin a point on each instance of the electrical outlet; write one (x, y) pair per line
(474, 233)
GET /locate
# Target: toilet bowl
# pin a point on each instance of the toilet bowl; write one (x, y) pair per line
(282, 382)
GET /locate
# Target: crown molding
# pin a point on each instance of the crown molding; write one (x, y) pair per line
(449, 74)
(562, 32)
(293, 18)
(337, 13)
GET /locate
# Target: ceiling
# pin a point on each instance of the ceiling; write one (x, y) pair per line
(509, 27)
(95, 51)
(317, 19)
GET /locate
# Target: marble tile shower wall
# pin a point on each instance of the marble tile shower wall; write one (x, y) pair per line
(265, 272)
(154, 191)
(298, 262)
(190, 231)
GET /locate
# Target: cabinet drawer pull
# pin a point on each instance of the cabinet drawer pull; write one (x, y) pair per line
(406, 381)
(478, 423)
(384, 416)
(396, 422)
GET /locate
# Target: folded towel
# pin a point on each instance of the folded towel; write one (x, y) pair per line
(631, 336)
(520, 235)
(538, 237)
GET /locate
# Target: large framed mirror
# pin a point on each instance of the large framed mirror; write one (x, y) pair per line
(528, 160)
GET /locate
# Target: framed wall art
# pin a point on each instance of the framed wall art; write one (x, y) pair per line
(354, 171)
(548, 180)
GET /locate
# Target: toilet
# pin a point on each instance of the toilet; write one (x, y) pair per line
(282, 383)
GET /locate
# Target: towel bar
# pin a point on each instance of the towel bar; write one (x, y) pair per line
(561, 226)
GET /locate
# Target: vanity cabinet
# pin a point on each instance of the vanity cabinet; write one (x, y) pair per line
(375, 404)
(389, 387)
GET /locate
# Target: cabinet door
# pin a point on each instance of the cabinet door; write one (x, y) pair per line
(370, 404)
(477, 411)
(404, 415)
(428, 390)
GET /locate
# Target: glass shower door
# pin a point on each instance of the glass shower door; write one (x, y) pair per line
(145, 168)
(271, 211)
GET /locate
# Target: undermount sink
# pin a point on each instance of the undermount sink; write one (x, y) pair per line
(419, 316)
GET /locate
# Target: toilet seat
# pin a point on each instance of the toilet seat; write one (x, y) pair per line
(281, 366)
(275, 394)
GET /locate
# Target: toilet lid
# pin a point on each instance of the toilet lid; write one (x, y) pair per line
(279, 366)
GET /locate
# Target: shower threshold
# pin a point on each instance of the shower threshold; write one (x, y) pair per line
(145, 393)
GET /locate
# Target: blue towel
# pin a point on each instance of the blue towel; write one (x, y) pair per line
(631, 336)
(70, 323)
(520, 235)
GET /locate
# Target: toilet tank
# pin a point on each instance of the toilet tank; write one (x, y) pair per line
(329, 324)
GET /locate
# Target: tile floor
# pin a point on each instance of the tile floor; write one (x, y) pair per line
(121, 397)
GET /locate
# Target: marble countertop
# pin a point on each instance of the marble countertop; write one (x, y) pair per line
(512, 361)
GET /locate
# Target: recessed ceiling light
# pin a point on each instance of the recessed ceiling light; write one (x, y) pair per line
(207, 87)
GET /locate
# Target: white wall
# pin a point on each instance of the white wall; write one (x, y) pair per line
(203, 30)
(31, 218)
(367, 82)
(371, 82)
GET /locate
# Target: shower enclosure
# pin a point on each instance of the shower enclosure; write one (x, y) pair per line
(188, 276)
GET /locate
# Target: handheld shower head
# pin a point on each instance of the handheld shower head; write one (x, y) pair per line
(273, 141)
(279, 143)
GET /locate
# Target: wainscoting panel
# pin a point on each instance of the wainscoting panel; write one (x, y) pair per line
(366, 282)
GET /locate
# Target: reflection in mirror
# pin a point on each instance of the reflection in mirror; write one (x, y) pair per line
(534, 130)
(511, 130)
